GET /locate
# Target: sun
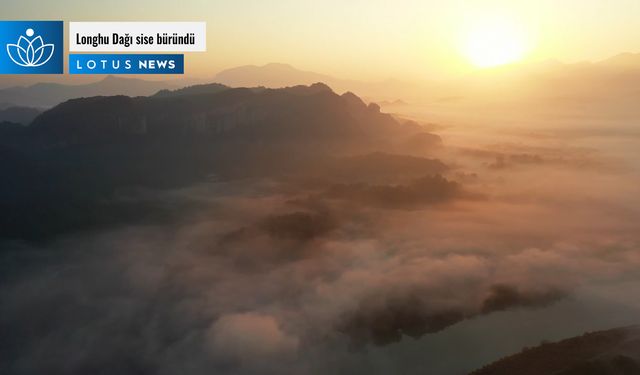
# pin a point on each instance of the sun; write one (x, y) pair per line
(493, 43)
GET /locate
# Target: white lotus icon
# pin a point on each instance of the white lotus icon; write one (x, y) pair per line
(30, 53)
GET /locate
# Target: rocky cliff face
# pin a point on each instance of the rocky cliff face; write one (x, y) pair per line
(278, 114)
(83, 151)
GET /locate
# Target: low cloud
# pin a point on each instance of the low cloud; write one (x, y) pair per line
(418, 193)
(503, 297)
(265, 276)
(302, 226)
(383, 318)
(248, 339)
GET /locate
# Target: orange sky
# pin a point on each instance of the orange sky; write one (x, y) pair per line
(372, 39)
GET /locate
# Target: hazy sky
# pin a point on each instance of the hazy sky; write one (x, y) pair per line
(367, 39)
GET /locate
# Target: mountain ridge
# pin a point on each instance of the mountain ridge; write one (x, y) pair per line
(215, 110)
(69, 164)
(611, 352)
(47, 94)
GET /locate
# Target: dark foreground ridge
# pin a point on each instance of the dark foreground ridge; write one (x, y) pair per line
(612, 352)
(71, 163)
(213, 112)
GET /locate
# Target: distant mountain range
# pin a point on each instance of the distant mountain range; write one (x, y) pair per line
(46, 95)
(272, 75)
(611, 82)
(19, 115)
(617, 77)
(277, 75)
(626, 60)
(612, 352)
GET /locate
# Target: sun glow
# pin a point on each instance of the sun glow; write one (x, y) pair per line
(495, 42)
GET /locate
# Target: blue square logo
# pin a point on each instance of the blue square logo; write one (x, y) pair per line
(31, 47)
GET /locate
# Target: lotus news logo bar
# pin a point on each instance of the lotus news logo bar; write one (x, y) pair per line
(31, 47)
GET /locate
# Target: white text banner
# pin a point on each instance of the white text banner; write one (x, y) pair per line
(137, 36)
